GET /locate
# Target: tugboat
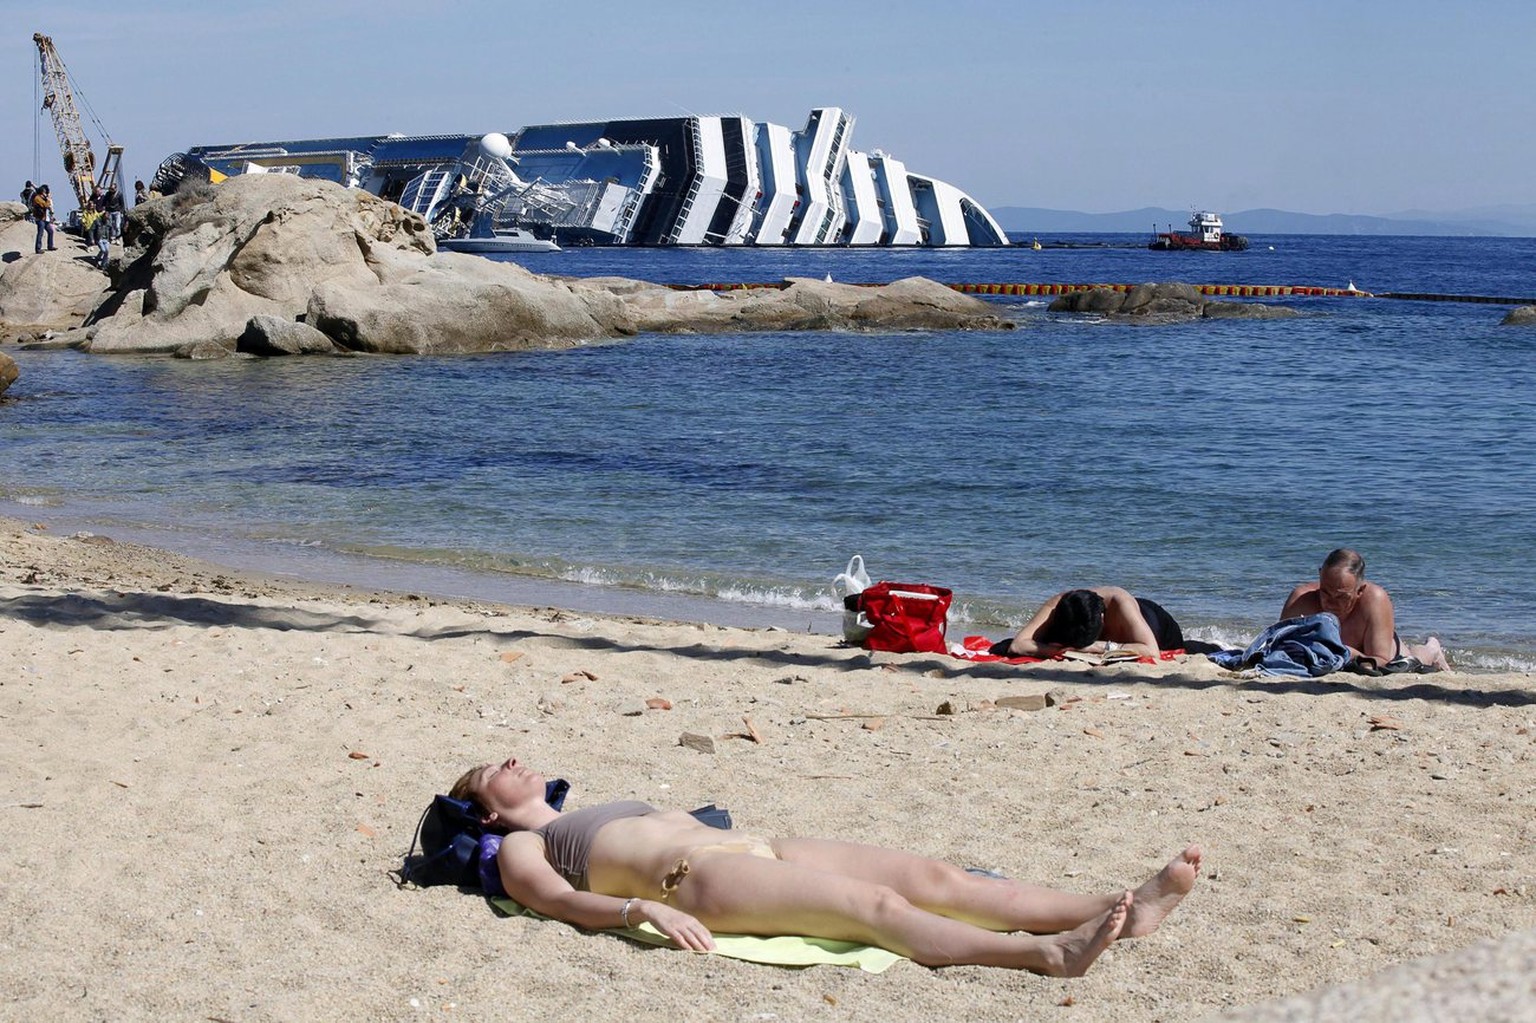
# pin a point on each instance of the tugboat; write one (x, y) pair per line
(1206, 234)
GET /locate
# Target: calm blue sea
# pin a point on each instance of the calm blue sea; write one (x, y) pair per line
(1208, 465)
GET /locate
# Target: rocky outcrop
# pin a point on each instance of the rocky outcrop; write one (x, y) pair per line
(1520, 316)
(9, 371)
(914, 303)
(277, 265)
(1162, 303)
(1246, 311)
(44, 291)
(203, 262)
(455, 302)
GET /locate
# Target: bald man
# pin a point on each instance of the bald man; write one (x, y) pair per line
(1364, 611)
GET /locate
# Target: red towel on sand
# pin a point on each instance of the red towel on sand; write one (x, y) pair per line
(979, 648)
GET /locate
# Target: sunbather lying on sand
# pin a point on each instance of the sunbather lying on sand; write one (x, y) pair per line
(621, 864)
(1098, 620)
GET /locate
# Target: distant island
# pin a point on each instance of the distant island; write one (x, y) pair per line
(1491, 221)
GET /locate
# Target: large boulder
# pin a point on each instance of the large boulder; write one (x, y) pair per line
(1162, 303)
(9, 371)
(455, 302)
(43, 291)
(273, 335)
(1246, 311)
(1172, 300)
(1520, 316)
(203, 262)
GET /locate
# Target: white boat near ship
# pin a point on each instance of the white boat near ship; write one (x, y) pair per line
(695, 180)
(509, 239)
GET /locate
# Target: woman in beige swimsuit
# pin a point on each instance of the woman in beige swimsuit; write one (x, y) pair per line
(623, 864)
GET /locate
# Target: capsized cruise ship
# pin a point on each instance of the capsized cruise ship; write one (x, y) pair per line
(695, 180)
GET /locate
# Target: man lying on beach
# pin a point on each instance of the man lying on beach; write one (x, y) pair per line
(1098, 620)
(626, 863)
(1364, 611)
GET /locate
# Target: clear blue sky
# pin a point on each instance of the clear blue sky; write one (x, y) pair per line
(1379, 106)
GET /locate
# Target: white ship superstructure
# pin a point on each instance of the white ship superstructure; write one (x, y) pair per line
(820, 152)
(861, 199)
(902, 226)
(691, 180)
(780, 184)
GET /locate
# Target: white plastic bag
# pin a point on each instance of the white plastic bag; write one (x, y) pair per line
(850, 583)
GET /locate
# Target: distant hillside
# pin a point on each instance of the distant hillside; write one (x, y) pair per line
(1508, 221)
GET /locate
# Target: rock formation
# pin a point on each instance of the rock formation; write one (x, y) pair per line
(1162, 303)
(273, 265)
(8, 372)
(914, 303)
(53, 291)
(1520, 316)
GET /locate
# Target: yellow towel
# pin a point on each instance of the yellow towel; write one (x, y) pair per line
(783, 950)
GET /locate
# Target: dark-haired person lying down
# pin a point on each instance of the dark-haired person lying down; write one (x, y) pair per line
(1098, 620)
(626, 863)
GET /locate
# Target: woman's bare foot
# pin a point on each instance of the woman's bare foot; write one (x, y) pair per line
(1432, 654)
(1078, 948)
(1156, 898)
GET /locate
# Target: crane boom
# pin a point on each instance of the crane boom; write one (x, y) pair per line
(59, 101)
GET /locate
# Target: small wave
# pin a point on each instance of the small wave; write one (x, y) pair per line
(1491, 661)
(1227, 637)
(794, 600)
(586, 575)
(32, 498)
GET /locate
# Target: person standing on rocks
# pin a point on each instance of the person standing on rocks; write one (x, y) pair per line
(112, 201)
(42, 212)
(27, 192)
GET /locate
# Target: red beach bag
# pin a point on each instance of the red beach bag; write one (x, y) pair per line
(906, 617)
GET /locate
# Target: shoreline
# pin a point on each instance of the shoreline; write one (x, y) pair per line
(402, 576)
(326, 567)
(214, 772)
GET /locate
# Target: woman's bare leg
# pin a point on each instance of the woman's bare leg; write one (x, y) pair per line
(754, 895)
(998, 905)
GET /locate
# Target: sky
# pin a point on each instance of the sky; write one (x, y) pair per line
(1369, 107)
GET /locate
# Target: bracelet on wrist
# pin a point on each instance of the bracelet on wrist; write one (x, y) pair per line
(624, 912)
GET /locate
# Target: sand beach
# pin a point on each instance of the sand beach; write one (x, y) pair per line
(210, 778)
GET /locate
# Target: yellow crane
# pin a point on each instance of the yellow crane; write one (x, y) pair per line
(59, 101)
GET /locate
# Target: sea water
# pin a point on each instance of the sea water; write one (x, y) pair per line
(1209, 465)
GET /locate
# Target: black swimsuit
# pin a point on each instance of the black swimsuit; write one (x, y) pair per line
(1169, 635)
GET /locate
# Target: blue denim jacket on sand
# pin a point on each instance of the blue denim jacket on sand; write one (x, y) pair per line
(1303, 647)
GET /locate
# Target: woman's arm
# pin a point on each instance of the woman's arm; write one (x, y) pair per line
(1025, 644)
(529, 879)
